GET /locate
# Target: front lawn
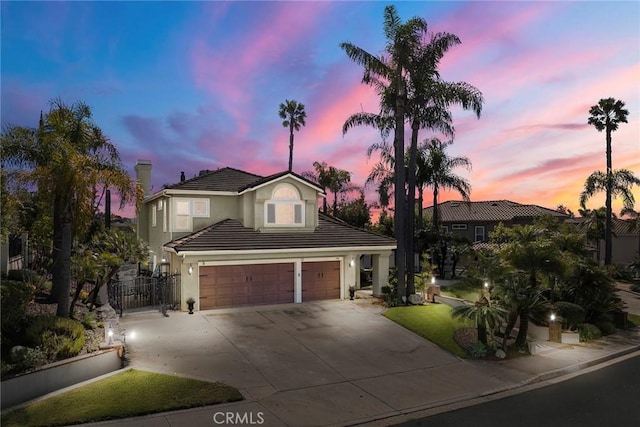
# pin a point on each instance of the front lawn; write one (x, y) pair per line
(432, 322)
(633, 318)
(128, 394)
(462, 290)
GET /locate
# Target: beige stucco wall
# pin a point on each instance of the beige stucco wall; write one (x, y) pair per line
(307, 194)
(350, 272)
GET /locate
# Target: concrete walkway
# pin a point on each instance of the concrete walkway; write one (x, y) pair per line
(331, 363)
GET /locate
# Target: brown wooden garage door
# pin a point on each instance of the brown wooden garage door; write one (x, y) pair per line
(239, 285)
(320, 280)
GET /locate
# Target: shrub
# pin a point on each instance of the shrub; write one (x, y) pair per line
(24, 275)
(606, 327)
(59, 337)
(31, 358)
(635, 287)
(572, 314)
(478, 350)
(14, 297)
(89, 321)
(588, 332)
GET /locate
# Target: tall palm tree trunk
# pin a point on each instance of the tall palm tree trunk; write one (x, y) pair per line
(435, 208)
(521, 339)
(62, 292)
(411, 207)
(608, 220)
(56, 268)
(399, 194)
(291, 146)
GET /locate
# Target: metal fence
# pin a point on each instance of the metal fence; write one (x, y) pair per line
(145, 292)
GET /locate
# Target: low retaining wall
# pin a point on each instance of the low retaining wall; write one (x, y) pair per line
(59, 375)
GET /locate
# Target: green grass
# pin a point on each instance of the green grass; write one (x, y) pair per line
(130, 393)
(432, 322)
(634, 318)
(461, 290)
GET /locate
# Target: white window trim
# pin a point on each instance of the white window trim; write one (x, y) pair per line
(292, 202)
(458, 226)
(154, 215)
(475, 235)
(207, 206)
(175, 215)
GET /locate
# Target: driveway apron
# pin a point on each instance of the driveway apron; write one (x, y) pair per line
(320, 363)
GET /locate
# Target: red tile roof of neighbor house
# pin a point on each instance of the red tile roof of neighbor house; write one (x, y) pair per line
(620, 226)
(488, 211)
(231, 235)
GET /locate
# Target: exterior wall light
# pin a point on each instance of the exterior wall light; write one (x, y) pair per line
(552, 317)
(190, 269)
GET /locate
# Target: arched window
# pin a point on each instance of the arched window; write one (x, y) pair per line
(284, 209)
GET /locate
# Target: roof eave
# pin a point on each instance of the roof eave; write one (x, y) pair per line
(361, 249)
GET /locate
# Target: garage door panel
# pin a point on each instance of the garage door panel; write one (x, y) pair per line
(241, 285)
(320, 280)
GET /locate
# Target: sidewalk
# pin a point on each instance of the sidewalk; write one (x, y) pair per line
(391, 399)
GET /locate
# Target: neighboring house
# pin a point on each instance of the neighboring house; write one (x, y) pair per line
(475, 220)
(625, 241)
(237, 239)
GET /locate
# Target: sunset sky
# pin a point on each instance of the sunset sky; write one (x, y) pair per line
(197, 85)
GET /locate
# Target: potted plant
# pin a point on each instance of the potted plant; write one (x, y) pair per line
(352, 292)
(190, 304)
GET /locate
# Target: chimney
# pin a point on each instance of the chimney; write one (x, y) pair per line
(143, 175)
(181, 176)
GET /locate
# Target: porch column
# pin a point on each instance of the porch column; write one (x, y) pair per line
(380, 265)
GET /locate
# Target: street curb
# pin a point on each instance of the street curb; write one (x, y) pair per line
(481, 397)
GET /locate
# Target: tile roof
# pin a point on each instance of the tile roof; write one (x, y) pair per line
(620, 226)
(224, 179)
(492, 210)
(231, 235)
(231, 180)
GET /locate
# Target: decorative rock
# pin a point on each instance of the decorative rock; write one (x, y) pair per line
(500, 354)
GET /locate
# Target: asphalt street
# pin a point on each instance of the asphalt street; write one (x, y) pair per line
(601, 398)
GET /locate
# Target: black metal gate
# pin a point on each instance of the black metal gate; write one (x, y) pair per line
(145, 292)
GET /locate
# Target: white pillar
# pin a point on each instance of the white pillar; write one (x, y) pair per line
(380, 265)
(297, 280)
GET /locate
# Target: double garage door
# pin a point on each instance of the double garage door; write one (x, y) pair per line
(255, 284)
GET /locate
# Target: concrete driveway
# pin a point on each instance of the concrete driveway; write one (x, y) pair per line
(321, 363)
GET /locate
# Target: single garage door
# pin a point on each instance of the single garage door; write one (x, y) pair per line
(240, 285)
(320, 280)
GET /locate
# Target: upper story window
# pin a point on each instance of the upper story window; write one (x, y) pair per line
(154, 215)
(187, 209)
(284, 209)
(479, 233)
(459, 226)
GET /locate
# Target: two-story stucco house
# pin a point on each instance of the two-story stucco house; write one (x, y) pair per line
(475, 220)
(239, 239)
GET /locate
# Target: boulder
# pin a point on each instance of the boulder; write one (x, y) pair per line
(500, 354)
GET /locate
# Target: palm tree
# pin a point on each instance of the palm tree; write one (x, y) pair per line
(294, 116)
(606, 115)
(485, 315)
(322, 178)
(616, 183)
(519, 299)
(440, 173)
(594, 224)
(382, 173)
(69, 160)
(387, 74)
(428, 106)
